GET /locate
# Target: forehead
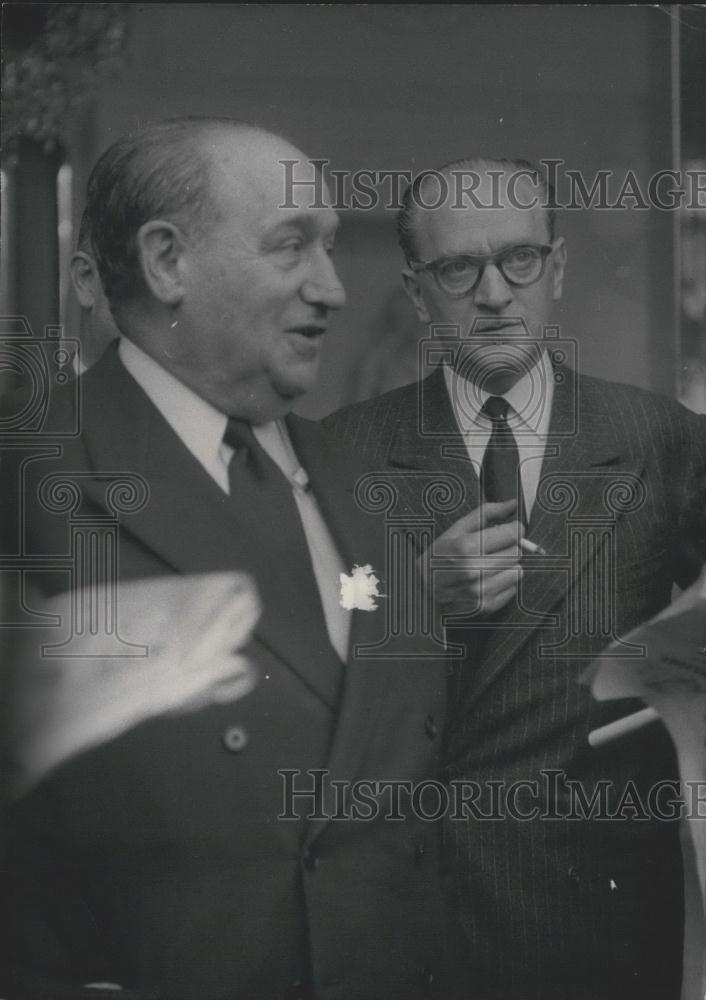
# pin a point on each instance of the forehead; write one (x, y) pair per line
(495, 220)
(252, 185)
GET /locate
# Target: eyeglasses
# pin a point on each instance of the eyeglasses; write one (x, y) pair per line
(460, 275)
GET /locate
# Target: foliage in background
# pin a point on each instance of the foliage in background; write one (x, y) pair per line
(79, 46)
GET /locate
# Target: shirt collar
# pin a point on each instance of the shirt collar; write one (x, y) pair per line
(199, 425)
(530, 399)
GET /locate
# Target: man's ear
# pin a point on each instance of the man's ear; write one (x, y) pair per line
(84, 278)
(414, 293)
(558, 263)
(160, 248)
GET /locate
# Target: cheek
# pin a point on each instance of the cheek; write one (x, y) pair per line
(266, 305)
(542, 300)
(446, 310)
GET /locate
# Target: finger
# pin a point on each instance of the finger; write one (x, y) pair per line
(483, 516)
(469, 610)
(467, 570)
(468, 594)
(497, 513)
(500, 557)
(487, 587)
(227, 626)
(478, 541)
(501, 542)
(500, 536)
(232, 690)
(499, 601)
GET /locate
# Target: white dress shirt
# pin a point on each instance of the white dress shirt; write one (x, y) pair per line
(528, 416)
(201, 427)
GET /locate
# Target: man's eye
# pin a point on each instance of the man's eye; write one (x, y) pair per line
(523, 256)
(293, 245)
(453, 267)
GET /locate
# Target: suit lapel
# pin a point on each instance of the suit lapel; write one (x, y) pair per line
(333, 483)
(426, 443)
(188, 521)
(427, 440)
(583, 459)
(360, 540)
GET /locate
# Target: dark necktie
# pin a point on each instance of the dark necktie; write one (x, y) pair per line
(257, 482)
(500, 474)
(263, 497)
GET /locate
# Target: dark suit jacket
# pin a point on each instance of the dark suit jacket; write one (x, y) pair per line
(552, 909)
(158, 861)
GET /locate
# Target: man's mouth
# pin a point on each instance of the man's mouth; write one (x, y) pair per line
(306, 340)
(310, 331)
(483, 326)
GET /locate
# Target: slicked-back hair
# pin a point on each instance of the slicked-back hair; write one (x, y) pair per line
(163, 171)
(413, 200)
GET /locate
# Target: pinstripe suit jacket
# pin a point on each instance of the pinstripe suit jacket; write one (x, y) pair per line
(554, 908)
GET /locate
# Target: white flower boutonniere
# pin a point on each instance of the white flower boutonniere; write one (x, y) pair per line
(359, 589)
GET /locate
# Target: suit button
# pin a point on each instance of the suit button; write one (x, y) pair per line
(310, 859)
(573, 874)
(235, 739)
(430, 727)
(419, 852)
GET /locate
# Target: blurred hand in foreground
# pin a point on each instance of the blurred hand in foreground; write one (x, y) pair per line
(179, 652)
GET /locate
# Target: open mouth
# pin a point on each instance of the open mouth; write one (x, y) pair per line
(310, 332)
(306, 341)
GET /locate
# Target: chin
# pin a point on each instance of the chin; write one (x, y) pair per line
(296, 380)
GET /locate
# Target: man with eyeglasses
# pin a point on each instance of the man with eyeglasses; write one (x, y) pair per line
(580, 503)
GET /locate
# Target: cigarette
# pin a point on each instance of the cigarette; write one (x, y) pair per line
(532, 547)
(621, 727)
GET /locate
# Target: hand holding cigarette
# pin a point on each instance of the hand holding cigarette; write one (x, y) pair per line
(483, 552)
(531, 547)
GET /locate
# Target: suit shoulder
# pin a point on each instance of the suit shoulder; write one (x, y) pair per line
(369, 409)
(372, 422)
(642, 412)
(313, 436)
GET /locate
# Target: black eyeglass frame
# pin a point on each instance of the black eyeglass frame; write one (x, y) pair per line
(481, 261)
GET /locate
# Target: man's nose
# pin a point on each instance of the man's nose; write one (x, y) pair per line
(323, 286)
(493, 291)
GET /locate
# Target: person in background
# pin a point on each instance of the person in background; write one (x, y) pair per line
(604, 487)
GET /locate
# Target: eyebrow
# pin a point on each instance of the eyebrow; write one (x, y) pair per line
(303, 220)
(506, 246)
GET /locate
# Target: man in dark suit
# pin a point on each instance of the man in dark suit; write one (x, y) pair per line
(605, 487)
(208, 855)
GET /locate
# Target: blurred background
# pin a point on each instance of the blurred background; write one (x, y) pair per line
(386, 87)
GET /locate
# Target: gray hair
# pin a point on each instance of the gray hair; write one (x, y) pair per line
(161, 171)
